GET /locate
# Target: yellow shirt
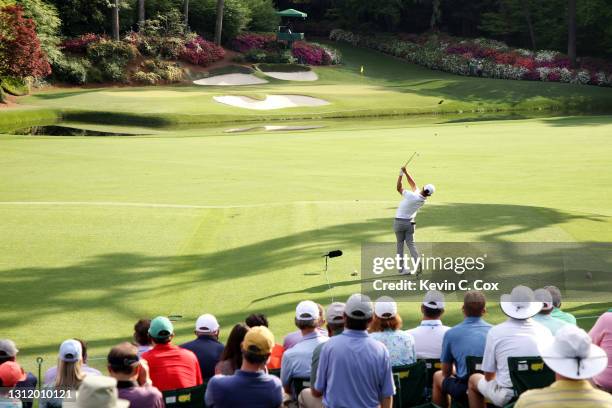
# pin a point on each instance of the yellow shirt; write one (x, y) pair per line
(565, 394)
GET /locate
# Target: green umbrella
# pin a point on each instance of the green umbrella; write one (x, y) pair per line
(292, 13)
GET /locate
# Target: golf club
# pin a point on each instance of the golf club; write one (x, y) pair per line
(410, 159)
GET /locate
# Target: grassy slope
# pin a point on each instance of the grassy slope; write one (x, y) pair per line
(388, 87)
(271, 204)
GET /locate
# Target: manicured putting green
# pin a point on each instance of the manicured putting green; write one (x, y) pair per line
(98, 232)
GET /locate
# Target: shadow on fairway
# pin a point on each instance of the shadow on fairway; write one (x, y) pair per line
(104, 282)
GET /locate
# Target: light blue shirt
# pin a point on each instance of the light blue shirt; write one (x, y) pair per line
(354, 371)
(399, 344)
(297, 361)
(550, 322)
(468, 338)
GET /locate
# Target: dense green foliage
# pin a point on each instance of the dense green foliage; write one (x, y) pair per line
(14, 86)
(203, 14)
(506, 20)
(47, 20)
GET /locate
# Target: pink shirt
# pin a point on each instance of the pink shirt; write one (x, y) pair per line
(601, 334)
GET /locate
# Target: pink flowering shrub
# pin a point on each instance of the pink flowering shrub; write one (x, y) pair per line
(310, 54)
(201, 52)
(79, 45)
(481, 57)
(247, 41)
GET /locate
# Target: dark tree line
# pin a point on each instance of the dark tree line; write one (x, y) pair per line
(565, 25)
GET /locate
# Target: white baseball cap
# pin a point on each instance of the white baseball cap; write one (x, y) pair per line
(71, 351)
(307, 310)
(206, 324)
(8, 348)
(520, 304)
(434, 299)
(335, 312)
(385, 307)
(430, 188)
(358, 307)
(573, 355)
(544, 296)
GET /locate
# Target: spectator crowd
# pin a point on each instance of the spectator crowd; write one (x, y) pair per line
(344, 355)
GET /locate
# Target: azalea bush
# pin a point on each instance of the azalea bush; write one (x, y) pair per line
(263, 47)
(483, 57)
(198, 51)
(79, 44)
(248, 41)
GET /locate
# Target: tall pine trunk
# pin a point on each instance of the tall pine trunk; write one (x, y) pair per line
(141, 13)
(116, 20)
(571, 31)
(219, 23)
(528, 20)
(186, 12)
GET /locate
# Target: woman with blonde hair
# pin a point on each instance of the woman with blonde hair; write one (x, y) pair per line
(386, 327)
(69, 373)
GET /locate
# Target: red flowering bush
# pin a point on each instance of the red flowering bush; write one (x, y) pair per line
(201, 52)
(20, 52)
(525, 62)
(248, 41)
(506, 58)
(79, 45)
(310, 54)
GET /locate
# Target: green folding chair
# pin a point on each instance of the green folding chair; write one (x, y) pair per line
(527, 373)
(409, 384)
(298, 384)
(474, 364)
(185, 397)
(431, 366)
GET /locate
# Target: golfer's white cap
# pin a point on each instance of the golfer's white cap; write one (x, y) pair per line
(206, 324)
(544, 296)
(434, 299)
(573, 355)
(385, 307)
(71, 351)
(430, 188)
(307, 310)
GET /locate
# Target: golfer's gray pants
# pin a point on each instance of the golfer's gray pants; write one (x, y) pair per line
(404, 232)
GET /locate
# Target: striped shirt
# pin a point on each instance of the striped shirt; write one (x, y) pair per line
(565, 394)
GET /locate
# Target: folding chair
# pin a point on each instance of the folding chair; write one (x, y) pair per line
(409, 384)
(432, 365)
(185, 397)
(275, 372)
(298, 384)
(474, 365)
(527, 373)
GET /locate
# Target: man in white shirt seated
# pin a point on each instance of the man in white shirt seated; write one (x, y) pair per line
(519, 336)
(429, 335)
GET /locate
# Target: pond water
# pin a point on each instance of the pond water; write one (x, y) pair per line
(58, 130)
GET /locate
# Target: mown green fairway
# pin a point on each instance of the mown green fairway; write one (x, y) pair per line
(98, 232)
(389, 87)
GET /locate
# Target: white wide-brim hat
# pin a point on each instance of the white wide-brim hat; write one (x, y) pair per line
(573, 355)
(520, 303)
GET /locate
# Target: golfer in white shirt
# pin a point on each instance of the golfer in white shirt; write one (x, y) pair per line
(404, 223)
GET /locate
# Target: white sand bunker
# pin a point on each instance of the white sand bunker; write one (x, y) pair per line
(231, 79)
(271, 101)
(271, 128)
(293, 76)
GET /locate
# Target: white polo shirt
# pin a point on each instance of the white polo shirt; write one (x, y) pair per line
(512, 338)
(428, 338)
(409, 206)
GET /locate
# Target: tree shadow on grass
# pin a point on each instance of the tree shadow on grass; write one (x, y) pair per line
(102, 283)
